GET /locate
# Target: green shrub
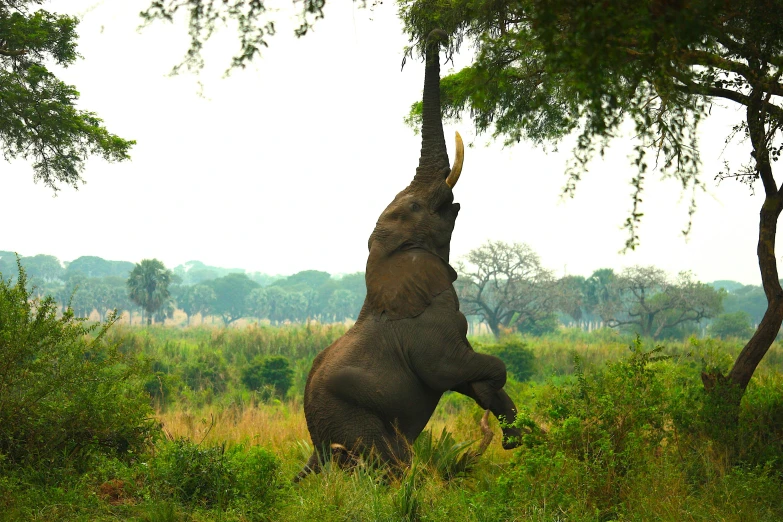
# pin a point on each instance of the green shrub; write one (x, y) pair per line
(444, 455)
(207, 372)
(274, 371)
(604, 429)
(735, 324)
(518, 358)
(64, 395)
(215, 476)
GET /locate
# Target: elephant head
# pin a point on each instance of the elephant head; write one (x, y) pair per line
(423, 215)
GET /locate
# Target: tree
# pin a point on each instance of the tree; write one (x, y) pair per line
(573, 299)
(506, 286)
(43, 268)
(645, 298)
(750, 299)
(39, 120)
(93, 266)
(231, 293)
(343, 303)
(148, 286)
(249, 16)
(735, 324)
(543, 70)
(196, 299)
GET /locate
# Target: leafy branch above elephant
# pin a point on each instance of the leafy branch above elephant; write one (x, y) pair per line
(374, 389)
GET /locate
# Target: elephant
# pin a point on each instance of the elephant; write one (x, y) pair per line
(374, 389)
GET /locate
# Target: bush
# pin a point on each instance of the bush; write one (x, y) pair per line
(735, 324)
(207, 372)
(269, 371)
(518, 358)
(215, 476)
(65, 393)
(605, 430)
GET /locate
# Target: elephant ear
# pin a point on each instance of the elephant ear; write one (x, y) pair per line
(404, 283)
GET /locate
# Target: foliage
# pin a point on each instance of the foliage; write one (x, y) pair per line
(63, 396)
(645, 298)
(272, 370)
(543, 70)
(196, 299)
(38, 115)
(206, 371)
(506, 286)
(735, 324)
(562, 473)
(42, 268)
(231, 292)
(518, 358)
(93, 266)
(148, 286)
(444, 455)
(566, 66)
(750, 299)
(603, 430)
(215, 476)
(248, 16)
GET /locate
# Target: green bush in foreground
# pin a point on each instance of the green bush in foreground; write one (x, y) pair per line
(215, 477)
(64, 394)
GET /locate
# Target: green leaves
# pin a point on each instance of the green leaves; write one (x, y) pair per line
(544, 69)
(148, 286)
(38, 118)
(64, 392)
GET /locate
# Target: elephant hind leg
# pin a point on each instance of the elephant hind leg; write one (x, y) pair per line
(313, 466)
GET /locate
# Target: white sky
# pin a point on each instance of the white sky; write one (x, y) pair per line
(286, 166)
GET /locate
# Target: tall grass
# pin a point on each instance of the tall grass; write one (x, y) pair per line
(614, 439)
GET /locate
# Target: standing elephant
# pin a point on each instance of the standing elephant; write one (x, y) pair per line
(375, 388)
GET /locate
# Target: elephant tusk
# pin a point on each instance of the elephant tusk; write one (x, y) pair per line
(487, 434)
(459, 157)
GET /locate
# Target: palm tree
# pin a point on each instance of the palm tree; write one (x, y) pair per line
(148, 286)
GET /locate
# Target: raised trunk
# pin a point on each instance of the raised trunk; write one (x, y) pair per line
(434, 160)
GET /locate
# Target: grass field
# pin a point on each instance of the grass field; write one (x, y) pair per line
(615, 432)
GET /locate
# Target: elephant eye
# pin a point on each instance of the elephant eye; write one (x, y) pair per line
(415, 207)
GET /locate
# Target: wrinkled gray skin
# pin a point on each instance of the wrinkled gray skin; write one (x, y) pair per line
(376, 387)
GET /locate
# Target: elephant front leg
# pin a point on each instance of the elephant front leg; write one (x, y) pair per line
(499, 403)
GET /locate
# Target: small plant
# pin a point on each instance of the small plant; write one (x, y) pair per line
(406, 501)
(447, 457)
(269, 371)
(215, 476)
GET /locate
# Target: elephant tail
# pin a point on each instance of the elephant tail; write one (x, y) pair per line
(313, 465)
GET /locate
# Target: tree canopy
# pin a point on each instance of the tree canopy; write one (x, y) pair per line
(506, 286)
(39, 120)
(249, 17)
(543, 70)
(148, 286)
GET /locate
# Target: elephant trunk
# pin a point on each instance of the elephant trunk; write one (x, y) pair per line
(434, 160)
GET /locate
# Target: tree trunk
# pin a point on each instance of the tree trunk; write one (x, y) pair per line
(495, 327)
(751, 355)
(733, 386)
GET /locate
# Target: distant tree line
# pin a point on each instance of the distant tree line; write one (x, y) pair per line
(502, 286)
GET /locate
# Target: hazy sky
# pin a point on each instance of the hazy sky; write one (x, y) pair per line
(286, 166)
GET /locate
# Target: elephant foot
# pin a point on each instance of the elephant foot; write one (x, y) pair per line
(512, 438)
